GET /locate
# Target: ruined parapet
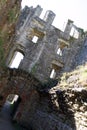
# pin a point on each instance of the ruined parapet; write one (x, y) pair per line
(72, 30)
(38, 10)
(49, 17)
(76, 32)
(23, 15)
(42, 46)
(33, 12)
(68, 29)
(81, 32)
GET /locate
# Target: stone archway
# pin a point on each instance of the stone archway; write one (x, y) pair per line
(18, 82)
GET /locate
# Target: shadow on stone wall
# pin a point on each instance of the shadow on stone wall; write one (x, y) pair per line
(81, 58)
(53, 112)
(65, 109)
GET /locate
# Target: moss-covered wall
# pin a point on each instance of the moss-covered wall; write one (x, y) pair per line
(9, 12)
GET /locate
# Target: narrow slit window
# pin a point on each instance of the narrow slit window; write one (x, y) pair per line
(72, 31)
(59, 52)
(15, 62)
(35, 39)
(53, 74)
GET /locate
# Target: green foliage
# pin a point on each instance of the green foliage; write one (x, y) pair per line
(12, 15)
(2, 2)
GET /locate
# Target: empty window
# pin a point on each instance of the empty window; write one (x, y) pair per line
(59, 52)
(18, 56)
(74, 33)
(53, 74)
(35, 39)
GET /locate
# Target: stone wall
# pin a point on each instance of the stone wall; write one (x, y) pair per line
(22, 84)
(38, 56)
(9, 12)
(81, 58)
(41, 57)
(41, 107)
(44, 107)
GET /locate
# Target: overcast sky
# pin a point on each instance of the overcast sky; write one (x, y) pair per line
(75, 10)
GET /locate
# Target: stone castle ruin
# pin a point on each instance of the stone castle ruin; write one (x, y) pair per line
(43, 53)
(43, 47)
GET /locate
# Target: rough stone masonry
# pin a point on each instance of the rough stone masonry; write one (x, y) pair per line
(47, 52)
(45, 48)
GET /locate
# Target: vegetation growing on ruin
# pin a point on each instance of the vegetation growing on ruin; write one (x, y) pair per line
(2, 2)
(9, 12)
(12, 15)
(76, 77)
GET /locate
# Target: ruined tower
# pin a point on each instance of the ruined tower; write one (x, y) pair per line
(37, 42)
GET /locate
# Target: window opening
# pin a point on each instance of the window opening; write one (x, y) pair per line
(59, 52)
(12, 98)
(15, 62)
(35, 39)
(74, 33)
(12, 101)
(53, 74)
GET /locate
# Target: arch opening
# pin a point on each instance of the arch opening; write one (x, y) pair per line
(16, 59)
(10, 106)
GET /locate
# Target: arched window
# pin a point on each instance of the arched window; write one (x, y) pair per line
(16, 59)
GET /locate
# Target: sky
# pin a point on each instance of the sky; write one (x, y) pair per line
(76, 10)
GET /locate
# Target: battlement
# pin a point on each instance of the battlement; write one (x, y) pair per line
(39, 45)
(49, 17)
